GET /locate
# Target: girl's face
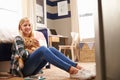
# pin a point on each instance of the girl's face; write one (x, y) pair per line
(26, 28)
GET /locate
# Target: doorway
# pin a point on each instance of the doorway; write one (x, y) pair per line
(86, 10)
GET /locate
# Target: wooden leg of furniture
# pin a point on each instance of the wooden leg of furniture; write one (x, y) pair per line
(64, 51)
(72, 53)
(60, 49)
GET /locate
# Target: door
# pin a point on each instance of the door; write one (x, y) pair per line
(108, 40)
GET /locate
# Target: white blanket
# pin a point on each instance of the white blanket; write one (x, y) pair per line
(7, 35)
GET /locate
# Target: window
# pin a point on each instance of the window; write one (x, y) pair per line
(86, 18)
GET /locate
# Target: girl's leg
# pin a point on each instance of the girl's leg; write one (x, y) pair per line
(50, 57)
(39, 56)
(40, 67)
(62, 56)
(34, 64)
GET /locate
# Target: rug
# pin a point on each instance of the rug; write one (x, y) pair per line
(54, 73)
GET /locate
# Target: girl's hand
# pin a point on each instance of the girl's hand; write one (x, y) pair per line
(21, 63)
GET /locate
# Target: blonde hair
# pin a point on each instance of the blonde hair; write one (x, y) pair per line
(21, 22)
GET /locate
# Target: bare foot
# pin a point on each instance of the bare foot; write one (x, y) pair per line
(78, 67)
(73, 70)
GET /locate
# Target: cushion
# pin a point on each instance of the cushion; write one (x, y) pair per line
(40, 37)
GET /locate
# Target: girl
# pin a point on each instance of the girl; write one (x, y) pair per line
(29, 60)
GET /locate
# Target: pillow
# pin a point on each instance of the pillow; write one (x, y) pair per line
(40, 37)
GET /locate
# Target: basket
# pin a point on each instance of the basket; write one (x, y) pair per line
(87, 54)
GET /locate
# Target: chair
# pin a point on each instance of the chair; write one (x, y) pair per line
(73, 45)
(45, 33)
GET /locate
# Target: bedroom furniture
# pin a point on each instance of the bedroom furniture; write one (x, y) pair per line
(87, 51)
(71, 47)
(56, 38)
(5, 53)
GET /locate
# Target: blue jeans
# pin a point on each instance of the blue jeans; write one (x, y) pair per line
(38, 59)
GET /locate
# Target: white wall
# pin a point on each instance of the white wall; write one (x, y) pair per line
(10, 14)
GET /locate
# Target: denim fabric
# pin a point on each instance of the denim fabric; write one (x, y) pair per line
(38, 59)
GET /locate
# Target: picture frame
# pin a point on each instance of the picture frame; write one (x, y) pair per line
(40, 10)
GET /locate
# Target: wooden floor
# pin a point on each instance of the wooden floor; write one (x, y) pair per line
(55, 73)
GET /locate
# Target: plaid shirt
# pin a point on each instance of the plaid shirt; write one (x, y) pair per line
(18, 50)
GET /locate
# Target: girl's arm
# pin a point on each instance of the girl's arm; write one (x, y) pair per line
(19, 47)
